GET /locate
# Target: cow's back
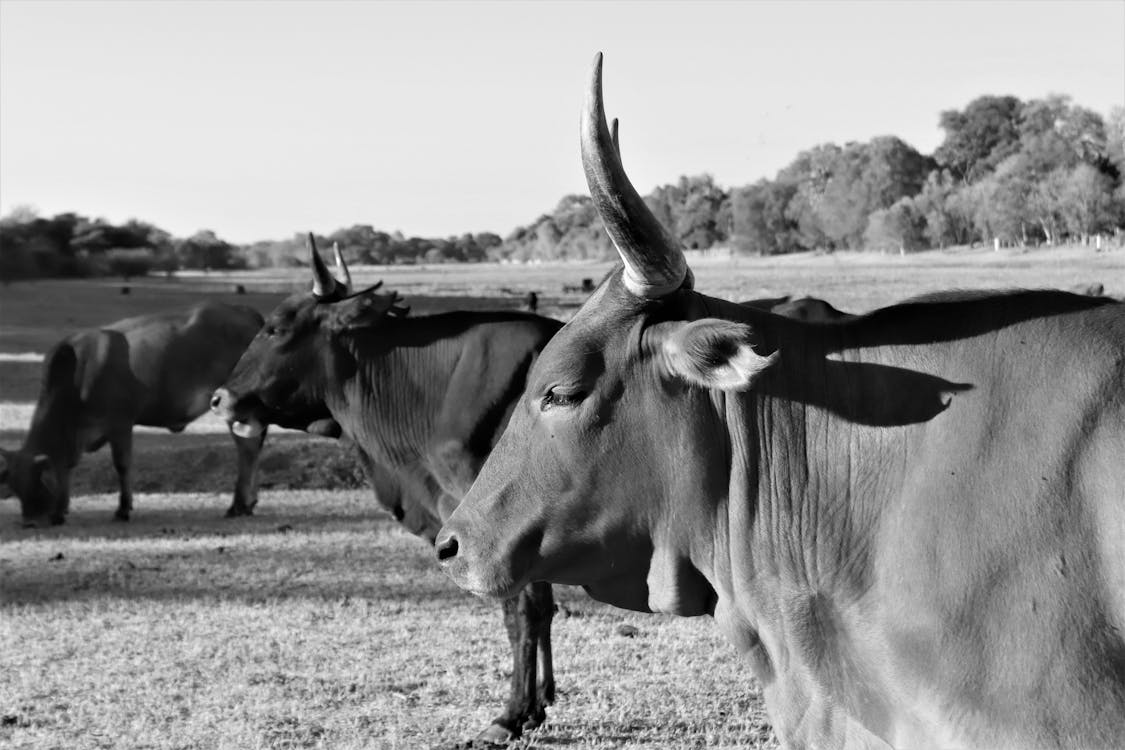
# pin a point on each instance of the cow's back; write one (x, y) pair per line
(178, 359)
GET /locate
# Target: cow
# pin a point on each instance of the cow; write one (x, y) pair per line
(911, 522)
(423, 400)
(153, 370)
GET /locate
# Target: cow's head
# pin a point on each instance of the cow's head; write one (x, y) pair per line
(32, 479)
(283, 376)
(602, 476)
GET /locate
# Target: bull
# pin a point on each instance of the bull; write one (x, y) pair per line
(152, 370)
(911, 522)
(423, 400)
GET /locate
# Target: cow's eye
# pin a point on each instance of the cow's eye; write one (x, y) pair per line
(556, 397)
(272, 331)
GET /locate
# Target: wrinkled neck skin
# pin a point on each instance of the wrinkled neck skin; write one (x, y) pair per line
(425, 399)
(775, 524)
(388, 399)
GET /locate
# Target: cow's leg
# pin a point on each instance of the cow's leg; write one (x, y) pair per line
(60, 488)
(544, 609)
(246, 485)
(524, 710)
(121, 446)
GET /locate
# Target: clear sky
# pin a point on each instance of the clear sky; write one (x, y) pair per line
(261, 119)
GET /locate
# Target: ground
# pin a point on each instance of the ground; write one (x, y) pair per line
(318, 622)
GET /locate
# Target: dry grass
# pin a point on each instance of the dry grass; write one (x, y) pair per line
(316, 624)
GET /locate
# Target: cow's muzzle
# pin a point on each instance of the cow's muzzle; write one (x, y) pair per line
(470, 573)
(222, 404)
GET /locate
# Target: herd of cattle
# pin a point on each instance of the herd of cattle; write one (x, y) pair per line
(911, 522)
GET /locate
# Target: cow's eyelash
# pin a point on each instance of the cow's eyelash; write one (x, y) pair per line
(555, 397)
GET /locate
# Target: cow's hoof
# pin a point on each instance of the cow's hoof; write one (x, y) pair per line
(121, 515)
(57, 520)
(534, 721)
(237, 512)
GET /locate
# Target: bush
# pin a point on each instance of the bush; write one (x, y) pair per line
(127, 263)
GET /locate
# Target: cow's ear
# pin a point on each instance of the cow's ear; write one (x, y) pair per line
(366, 309)
(714, 353)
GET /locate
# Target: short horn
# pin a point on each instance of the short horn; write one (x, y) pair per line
(342, 267)
(324, 285)
(614, 138)
(654, 263)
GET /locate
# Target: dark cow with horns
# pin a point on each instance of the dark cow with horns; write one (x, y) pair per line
(912, 523)
(153, 370)
(424, 399)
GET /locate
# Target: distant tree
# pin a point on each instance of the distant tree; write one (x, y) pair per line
(205, 250)
(838, 188)
(1088, 204)
(1115, 141)
(899, 228)
(1011, 199)
(129, 262)
(980, 137)
(695, 210)
(810, 173)
(1054, 133)
(702, 219)
(760, 223)
(947, 222)
(1045, 202)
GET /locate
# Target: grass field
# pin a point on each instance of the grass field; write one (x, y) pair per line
(317, 622)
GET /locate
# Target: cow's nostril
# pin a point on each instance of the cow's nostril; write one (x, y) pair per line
(447, 548)
(216, 400)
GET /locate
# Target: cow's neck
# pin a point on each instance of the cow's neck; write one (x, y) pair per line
(392, 403)
(53, 431)
(430, 395)
(794, 546)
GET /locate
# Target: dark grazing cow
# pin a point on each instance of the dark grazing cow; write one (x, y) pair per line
(423, 399)
(153, 370)
(912, 523)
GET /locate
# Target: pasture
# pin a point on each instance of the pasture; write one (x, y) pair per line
(318, 622)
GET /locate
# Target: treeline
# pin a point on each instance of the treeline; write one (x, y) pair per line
(71, 245)
(1041, 171)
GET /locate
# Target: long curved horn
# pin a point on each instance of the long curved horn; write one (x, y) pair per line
(654, 263)
(342, 267)
(324, 285)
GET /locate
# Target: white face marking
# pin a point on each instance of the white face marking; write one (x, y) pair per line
(250, 429)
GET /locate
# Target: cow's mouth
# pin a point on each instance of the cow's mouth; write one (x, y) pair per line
(249, 428)
(484, 585)
(238, 413)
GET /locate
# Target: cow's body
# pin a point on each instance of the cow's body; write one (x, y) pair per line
(912, 522)
(924, 536)
(423, 400)
(153, 370)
